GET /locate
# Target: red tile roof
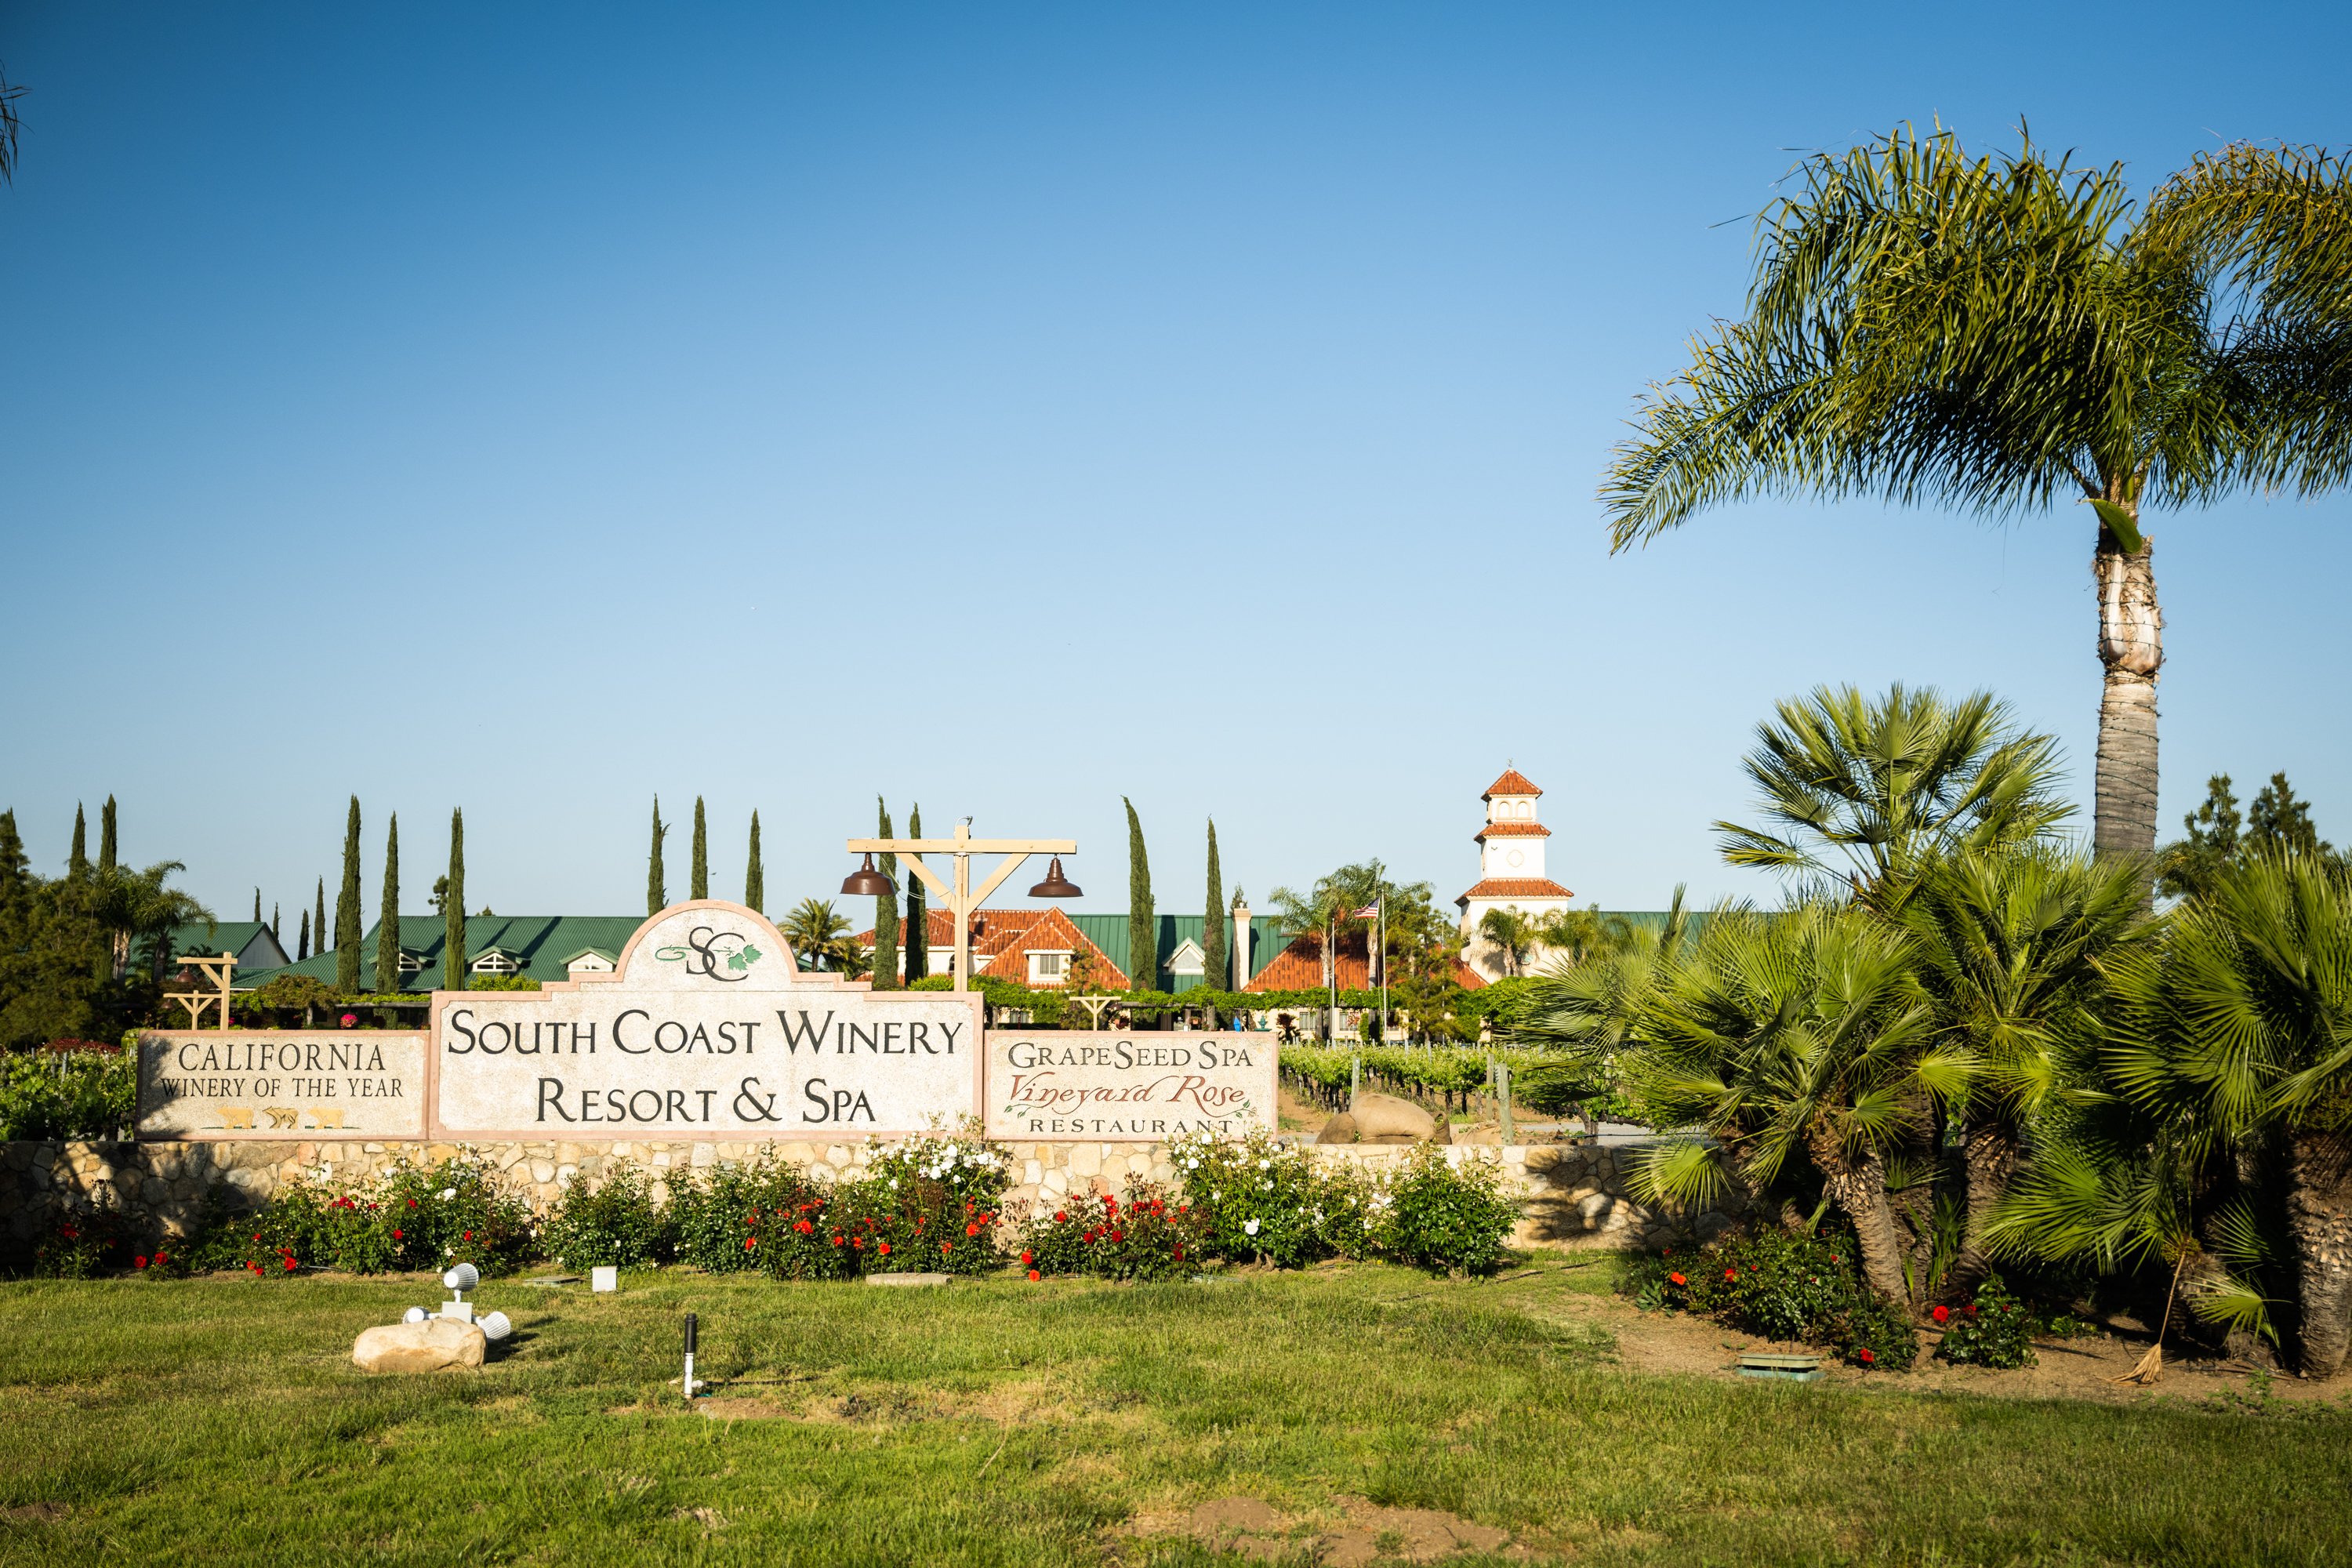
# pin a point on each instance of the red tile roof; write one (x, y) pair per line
(1299, 966)
(1511, 830)
(1002, 941)
(1513, 781)
(1050, 931)
(1516, 887)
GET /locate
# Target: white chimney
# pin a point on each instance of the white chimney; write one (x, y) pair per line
(1241, 944)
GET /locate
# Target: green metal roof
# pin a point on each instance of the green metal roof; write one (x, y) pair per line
(542, 944)
(1108, 932)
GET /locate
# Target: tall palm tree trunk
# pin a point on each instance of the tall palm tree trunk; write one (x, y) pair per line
(1859, 1191)
(2131, 646)
(2319, 1217)
(1988, 1157)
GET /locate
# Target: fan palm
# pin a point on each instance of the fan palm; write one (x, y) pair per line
(1867, 791)
(2009, 945)
(129, 905)
(1996, 334)
(816, 929)
(1511, 934)
(2242, 1026)
(1798, 1037)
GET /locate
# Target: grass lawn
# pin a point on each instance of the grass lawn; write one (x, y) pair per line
(221, 1421)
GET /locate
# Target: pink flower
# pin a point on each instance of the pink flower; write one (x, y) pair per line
(350, 1019)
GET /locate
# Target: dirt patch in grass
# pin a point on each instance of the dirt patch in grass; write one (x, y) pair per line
(35, 1513)
(2084, 1368)
(1350, 1532)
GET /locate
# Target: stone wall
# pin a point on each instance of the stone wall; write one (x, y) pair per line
(1570, 1193)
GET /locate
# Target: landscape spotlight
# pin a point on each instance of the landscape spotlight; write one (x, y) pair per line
(462, 1278)
(866, 882)
(1055, 884)
(496, 1327)
(414, 1315)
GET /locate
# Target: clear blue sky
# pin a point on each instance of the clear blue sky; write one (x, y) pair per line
(1008, 408)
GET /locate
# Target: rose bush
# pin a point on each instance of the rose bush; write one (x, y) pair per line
(1782, 1286)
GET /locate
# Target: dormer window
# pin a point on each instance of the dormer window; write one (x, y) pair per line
(410, 963)
(495, 963)
(1048, 968)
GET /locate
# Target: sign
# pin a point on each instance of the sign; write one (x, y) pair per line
(284, 1084)
(705, 1028)
(1051, 1084)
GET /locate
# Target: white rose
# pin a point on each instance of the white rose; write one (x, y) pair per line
(448, 1193)
(1250, 1228)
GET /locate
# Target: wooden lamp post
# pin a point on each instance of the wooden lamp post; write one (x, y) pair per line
(961, 898)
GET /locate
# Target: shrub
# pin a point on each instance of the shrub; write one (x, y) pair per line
(1448, 1217)
(1782, 1286)
(1257, 1200)
(416, 1217)
(928, 1204)
(83, 1245)
(711, 1216)
(1995, 1330)
(1144, 1238)
(614, 1222)
(67, 1094)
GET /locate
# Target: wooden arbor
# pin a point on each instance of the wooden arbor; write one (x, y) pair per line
(961, 898)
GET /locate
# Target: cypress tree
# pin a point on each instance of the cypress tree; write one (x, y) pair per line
(318, 920)
(453, 906)
(387, 932)
(1143, 930)
(755, 875)
(107, 844)
(302, 940)
(347, 907)
(77, 858)
(256, 906)
(886, 912)
(1216, 964)
(697, 883)
(274, 921)
(15, 866)
(656, 885)
(917, 934)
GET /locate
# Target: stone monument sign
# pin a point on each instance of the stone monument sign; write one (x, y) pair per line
(289, 1083)
(1050, 1084)
(705, 1028)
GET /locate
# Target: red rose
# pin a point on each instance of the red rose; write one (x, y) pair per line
(1970, 1309)
(946, 1247)
(1028, 1257)
(1033, 1276)
(290, 1265)
(836, 1241)
(1941, 1314)
(1677, 1279)
(162, 1257)
(1731, 1274)
(469, 1236)
(971, 1230)
(1864, 1356)
(139, 1261)
(1119, 1236)
(750, 1242)
(395, 1235)
(1180, 1252)
(412, 1202)
(1059, 1216)
(886, 1249)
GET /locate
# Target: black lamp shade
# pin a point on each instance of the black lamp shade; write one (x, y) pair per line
(1055, 884)
(866, 882)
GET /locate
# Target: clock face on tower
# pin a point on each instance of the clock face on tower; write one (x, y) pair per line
(1516, 858)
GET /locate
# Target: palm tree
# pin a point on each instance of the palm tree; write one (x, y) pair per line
(1997, 334)
(816, 929)
(2241, 1027)
(1862, 792)
(129, 905)
(1583, 1007)
(2009, 944)
(1792, 1040)
(1512, 934)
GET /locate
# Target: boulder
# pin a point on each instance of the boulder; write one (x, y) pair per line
(427, 1346)
(1385, 1119)
(1340, 1129)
